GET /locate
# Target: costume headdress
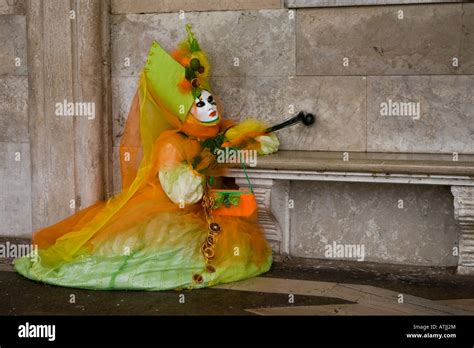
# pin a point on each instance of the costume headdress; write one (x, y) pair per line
(194, 60)
(174, 81)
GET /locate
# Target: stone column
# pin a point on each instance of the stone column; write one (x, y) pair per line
(464, 216)
(67, 63)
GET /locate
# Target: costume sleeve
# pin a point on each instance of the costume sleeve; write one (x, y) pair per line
(181, 183)
(250, 134)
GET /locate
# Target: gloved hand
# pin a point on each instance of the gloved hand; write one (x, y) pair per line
(269, 143)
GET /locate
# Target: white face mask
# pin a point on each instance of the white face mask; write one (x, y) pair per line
(204, 108)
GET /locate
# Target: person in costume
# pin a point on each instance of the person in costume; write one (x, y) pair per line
(164, 230)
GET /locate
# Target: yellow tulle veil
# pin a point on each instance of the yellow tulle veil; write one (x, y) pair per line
(162, 102)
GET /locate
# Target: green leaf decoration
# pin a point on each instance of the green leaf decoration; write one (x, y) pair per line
(196, 92)
(189, 74)
(227, 199)
(219, 200)
(213, 143)
(234, 199)
(192, 42)
(195, 64)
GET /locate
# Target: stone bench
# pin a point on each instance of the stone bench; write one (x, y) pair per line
(272, 175)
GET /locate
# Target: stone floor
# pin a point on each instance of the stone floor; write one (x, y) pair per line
(295, 287)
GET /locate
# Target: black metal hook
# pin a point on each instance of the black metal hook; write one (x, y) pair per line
(306, 119)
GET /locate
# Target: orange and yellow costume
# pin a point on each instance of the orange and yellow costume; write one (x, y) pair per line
(159, 232)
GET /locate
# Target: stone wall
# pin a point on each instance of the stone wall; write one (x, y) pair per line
(15, 179)
(294, 59)
(66, 61)
(52, 164)
(395, 223)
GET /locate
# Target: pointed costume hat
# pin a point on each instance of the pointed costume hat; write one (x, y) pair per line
(176, 80)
